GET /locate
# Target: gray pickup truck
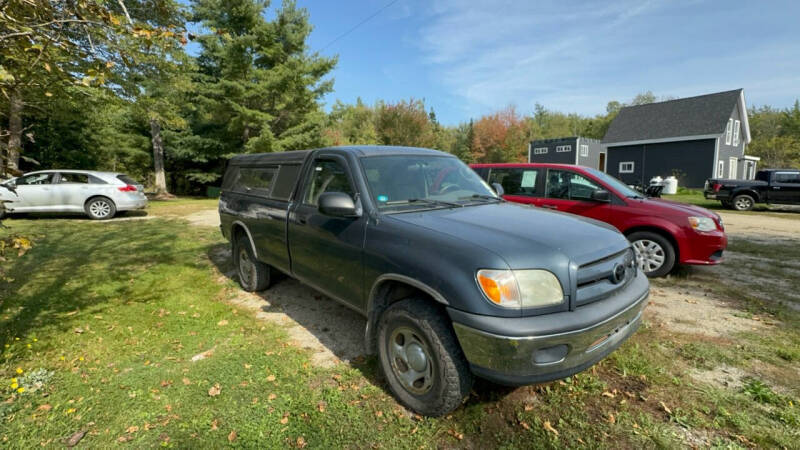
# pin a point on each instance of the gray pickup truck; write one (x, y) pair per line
(453, 281)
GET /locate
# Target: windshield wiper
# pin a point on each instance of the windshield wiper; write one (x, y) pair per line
(485, 197)
(426, 201)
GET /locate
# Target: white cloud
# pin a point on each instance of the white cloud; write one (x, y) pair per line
(576, 56)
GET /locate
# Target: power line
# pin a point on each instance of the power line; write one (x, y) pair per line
(359, 24)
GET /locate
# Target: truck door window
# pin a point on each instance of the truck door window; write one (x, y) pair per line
(567, 185)
(327, 176)
(515, 181)
(787, 177)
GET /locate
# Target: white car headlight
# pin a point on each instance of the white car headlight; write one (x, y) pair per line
(702, 223)
(520, 288)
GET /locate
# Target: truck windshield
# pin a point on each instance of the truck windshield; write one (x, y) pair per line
(413, 182)
(616, 184)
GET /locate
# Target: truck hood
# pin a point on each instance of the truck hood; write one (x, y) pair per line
(524, 236)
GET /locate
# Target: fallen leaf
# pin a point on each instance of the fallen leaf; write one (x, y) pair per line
(528, 408)
(186, 381)
(271, 378)
(301, 442)
(247, 366)
(550, 428)
(222, 322)
(132, 429)
(379, 413)
(45, 407)
(165, 383)
(75, 438)
(321, 407)
(272, 397)
(525, 425)
(214, 390)
(232, 436)
(214, 424)
(667, 410)
(285, 418)
(124, 438)
(79, 330)
(608, 394)
(611, 418)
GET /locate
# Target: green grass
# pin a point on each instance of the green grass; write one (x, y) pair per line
(695, 197)
(106, 317)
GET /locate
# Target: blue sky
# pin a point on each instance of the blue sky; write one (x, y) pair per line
(471, 57)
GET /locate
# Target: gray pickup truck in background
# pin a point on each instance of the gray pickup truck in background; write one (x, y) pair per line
(454, 282)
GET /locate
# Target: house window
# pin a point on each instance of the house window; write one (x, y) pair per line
(626, 167)
(563, 148)
(584, 150)
(540, 151)
(720, 169)
(736, 126)
(732, 166)
(728, 132)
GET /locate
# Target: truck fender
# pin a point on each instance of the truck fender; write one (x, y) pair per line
(249, 236)
(373, 311)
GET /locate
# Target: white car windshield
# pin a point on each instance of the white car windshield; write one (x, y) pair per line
(403, 182)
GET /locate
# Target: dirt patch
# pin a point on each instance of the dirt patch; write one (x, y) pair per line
(760, 227)
(331, 332)
(204, 218)
(723, 376)
(690, 309)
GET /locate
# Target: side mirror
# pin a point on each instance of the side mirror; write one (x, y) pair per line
(498, 189)
(601, 195)
(338, 204)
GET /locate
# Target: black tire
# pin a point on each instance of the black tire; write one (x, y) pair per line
(100, 208)
(447, 378)
(254, 276)
(727, 204)
(743, 202)
(651, 248)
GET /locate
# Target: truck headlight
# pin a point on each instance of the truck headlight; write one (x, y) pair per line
(520, 288)
(702, 223)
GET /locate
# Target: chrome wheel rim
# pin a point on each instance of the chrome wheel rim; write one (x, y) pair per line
(100, 208)
(411, 360)
(743, 203)
(246, 267)
(650, 256)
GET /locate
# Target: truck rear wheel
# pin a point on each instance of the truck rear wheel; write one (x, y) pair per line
(421, 358)
(743, 202)
(253, 275)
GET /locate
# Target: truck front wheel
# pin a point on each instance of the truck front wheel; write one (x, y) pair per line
(743, 202)
(421, 358)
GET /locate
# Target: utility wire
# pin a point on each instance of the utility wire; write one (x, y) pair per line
(359, 24)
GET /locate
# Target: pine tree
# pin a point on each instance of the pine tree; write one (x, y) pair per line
(259, 86)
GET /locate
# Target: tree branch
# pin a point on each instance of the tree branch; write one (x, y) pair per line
(125, 10)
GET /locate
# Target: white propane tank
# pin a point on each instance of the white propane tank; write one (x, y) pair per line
(656, 181)
(670, 186)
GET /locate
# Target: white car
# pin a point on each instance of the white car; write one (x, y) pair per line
(99, 195)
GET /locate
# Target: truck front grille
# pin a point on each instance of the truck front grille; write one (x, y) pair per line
(600, 279)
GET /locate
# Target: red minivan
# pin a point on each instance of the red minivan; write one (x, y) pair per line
(663, 233)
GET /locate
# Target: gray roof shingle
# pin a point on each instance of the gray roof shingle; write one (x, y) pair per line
(691, 116)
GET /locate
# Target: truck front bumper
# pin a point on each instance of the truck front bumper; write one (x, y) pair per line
(556, 353)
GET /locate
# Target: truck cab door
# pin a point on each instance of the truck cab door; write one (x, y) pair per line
(785, 188)
(571, 192)
(326, 251)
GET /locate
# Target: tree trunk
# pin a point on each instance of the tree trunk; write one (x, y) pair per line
(158, 157)
(14, 131)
